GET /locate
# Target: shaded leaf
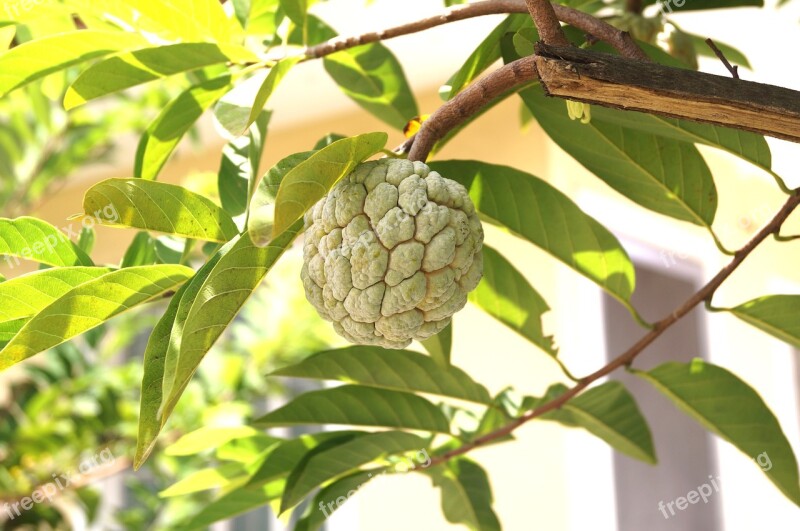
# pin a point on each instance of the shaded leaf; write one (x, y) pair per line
(440, 345)
(466, 494)
(658, 173)
(729, 407)
(326, 463)
(239, 168)
(141, 252)
(373, 77)
(610, 412)
(400, 370)
(536, 211)
(775, 314)
(161, 207)
(359, 406)
(326, 502)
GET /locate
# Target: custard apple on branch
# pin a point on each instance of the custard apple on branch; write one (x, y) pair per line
(391, 253)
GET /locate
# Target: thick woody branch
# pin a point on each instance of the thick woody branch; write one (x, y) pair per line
(619, 40)
(469, 101)
(547, 22)
(626, 358)
(613, 81)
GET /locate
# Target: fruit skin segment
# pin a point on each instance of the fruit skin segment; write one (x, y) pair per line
(391, 253)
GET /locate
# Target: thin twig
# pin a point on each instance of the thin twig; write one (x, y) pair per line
(547, 22)
(619, 40)
(734, 70)
(469, 101)
(626, 358)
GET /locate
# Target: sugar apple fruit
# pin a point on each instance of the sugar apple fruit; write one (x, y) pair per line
(391, 253)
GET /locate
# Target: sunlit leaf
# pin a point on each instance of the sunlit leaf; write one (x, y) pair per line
(89, 305)
(776, 315)
(36, 240)
(161, 207)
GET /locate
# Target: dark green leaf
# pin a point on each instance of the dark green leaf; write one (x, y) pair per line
(141, 252)
(400, 370)
(441, 345)
(466, 494)
(328, 500)
(373, 77)
(359, 406)
(661, 174)
(536, 211)
(239, 168)
(727, 406)
(776, 315)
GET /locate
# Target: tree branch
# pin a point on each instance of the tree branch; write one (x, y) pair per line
(546, 22)
(626, 358)
(619, 40)
(467, 102)
(613, 81)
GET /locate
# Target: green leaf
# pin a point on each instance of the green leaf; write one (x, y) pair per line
(239, 168)
(440, 345)
(466, 494)
(326, 502)
(205, 479)
(262, 204)
(696, 5)
(240, 107)
(309, 181)
(775, 315)
(166, 131)
(208, 438)
(153, 379)
(233, 503)
(359, 406)
(189, 20)
(25, 296)
(90, 304)
(729, 407)
(610, 412)
(126, 70)
(658, 173)
(160, 207)
(297, 11)
(327, 140)
(744, 144)
(141, 252)
(373, 77)
(36, 59)
(399, 370)
(33, 239)
(506, 295)
(281, 459)
(732, 54)
(326, 463)
(230, 283)
(536, 211)
(485, 55)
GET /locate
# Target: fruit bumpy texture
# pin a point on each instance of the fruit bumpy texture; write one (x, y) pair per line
(391, 253)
